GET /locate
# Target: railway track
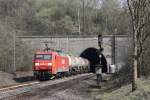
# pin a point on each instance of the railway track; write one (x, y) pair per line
(16, 89)
(31, 89)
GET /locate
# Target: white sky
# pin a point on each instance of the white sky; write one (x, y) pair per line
(100, 1)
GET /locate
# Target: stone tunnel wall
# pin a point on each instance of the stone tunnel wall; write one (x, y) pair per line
(75, 46)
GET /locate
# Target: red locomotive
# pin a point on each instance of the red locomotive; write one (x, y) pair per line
(50, 64)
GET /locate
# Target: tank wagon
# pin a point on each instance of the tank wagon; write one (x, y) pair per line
(51, 64)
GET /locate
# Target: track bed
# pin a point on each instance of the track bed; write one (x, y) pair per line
(43, 89)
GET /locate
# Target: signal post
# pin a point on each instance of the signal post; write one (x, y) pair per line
(98, 68)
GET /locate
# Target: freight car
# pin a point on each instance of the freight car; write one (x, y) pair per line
(51, 64)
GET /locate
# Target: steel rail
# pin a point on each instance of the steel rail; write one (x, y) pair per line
(18, 86)
(69, 36)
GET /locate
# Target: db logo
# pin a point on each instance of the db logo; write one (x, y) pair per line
(63, 61)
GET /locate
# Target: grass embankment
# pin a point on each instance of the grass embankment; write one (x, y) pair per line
(123, 92)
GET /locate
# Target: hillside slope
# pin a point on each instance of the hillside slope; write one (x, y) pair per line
(124, 93)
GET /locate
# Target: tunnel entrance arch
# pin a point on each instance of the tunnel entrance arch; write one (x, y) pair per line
(93, 56)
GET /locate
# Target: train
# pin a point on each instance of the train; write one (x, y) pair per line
(55, 63)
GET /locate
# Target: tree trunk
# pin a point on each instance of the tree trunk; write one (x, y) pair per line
(134, 83)
(139, 67)
(135, 64)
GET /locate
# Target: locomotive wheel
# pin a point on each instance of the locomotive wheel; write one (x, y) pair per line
(58, 75)
(67, 74)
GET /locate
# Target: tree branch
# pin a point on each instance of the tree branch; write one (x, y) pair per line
(145, 37)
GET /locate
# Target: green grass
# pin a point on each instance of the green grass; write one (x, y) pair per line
(123, 93)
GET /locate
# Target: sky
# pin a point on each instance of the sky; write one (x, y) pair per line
(99, 3)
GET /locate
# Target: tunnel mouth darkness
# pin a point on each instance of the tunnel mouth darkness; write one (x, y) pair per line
(92, 55)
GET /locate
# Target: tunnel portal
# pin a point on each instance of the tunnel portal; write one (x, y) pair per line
(92, 55)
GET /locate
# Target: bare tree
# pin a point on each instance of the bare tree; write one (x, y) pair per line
(139, 12)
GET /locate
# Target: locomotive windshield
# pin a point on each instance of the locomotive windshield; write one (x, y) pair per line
(43, 56)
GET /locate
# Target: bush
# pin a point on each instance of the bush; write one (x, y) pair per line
(23, 57)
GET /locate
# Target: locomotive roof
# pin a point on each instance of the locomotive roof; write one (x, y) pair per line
(50, 52)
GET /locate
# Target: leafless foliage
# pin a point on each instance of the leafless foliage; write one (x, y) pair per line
(140, 13)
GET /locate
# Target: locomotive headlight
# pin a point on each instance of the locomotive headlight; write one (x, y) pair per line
(37, 64)
(49, 64)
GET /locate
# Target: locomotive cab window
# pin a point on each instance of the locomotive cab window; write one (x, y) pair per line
(43, 56)
(47, 57)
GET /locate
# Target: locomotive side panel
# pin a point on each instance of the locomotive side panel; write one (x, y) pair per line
(61, 64)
